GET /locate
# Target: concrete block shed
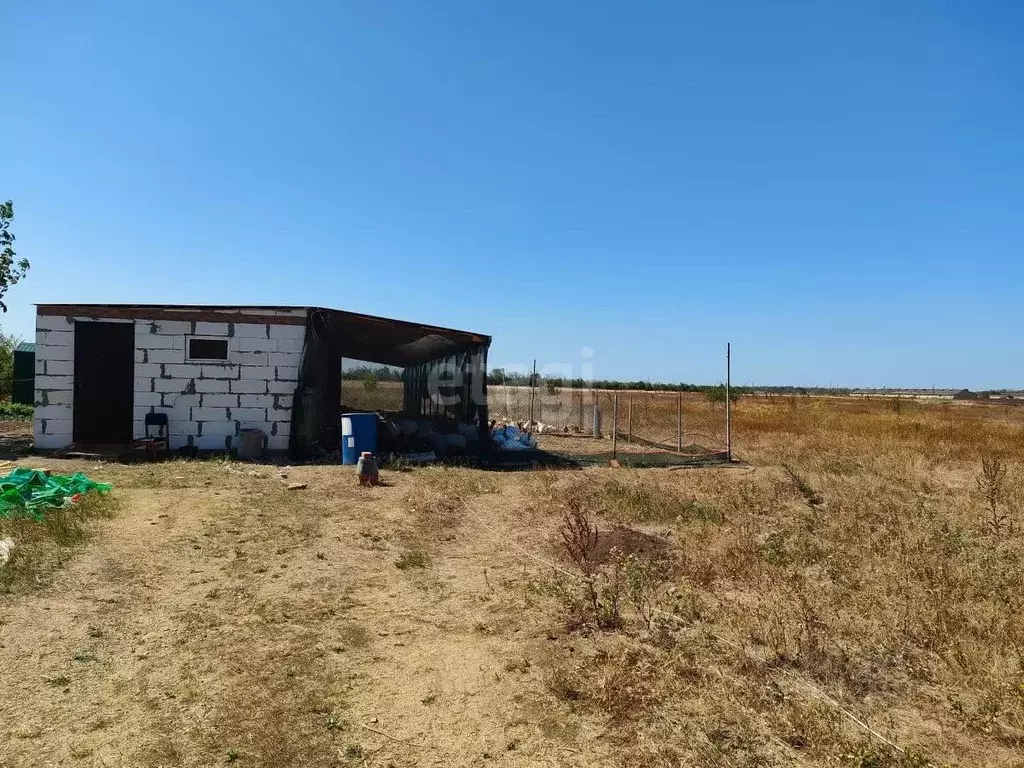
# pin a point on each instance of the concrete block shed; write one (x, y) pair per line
(216, 370)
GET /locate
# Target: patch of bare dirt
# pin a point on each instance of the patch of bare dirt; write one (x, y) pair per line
(622, 541)
(220, 617)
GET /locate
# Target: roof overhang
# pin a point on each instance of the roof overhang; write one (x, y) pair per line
(396, 342)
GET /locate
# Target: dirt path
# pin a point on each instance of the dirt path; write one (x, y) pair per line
(220, 618)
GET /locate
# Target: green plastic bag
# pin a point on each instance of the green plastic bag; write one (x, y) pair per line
(28, 492)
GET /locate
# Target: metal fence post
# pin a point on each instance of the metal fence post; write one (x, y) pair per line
(629, 420)
(615, 422)
(533, 386)
(679, 421)
(581, 408)
(597, 413)
(728, 402)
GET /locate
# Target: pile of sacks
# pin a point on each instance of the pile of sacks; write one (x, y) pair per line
(509, 437)
(443, 438)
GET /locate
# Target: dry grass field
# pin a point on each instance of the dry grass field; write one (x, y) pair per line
(848, 596)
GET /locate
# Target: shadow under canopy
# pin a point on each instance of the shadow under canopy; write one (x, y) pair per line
(444, 372)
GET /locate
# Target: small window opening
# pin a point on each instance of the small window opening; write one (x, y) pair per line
(207, 349)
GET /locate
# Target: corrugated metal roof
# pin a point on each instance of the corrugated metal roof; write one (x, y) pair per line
(26, 346)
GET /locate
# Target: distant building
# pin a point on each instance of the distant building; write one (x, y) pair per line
(912, 394)
(23, 387)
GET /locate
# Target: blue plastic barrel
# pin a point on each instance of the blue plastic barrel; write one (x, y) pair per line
(358, 434)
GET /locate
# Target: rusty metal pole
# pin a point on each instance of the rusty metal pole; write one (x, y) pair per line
(629, 420)
(615, 423)
(679, 421)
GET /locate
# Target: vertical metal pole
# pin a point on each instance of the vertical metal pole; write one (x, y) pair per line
(581, 407)
(629, 420)
(533, 385)
(615, 422)
(728, 401)
(504, 385)
(597, 413)
(679, 421)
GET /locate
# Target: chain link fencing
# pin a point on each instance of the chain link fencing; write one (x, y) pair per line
(636, 427)
(581, 425)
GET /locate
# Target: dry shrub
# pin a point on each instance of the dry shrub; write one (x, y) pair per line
(601, 585)
(992, 488)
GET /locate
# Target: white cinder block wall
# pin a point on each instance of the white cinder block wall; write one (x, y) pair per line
(55, 368)
(207, 402)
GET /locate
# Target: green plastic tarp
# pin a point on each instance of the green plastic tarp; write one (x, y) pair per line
(29, 492)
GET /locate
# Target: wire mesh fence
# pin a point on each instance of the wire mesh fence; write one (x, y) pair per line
(633, 421)
(582, 425)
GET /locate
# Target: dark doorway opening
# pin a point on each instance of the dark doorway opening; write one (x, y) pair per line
(104, 382)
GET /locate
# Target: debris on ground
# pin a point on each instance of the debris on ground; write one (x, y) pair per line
(29, 492)
(297, 486)
(6, 548)
(510, 437)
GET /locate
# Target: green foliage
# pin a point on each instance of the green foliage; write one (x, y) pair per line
(7, 345)
(370, 381)
(16, 411)
(360, 372)
(11, 271)
(716, 394)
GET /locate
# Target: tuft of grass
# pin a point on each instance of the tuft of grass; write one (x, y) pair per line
(354, 752)
(414, 558)
(636, 498)
(335, 723)
(41, 547)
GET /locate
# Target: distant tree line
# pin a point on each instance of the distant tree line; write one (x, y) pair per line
(378, 373)
(515, 379)
(371, 375)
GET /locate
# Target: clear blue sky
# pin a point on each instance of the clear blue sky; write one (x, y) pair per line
(837, 188)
